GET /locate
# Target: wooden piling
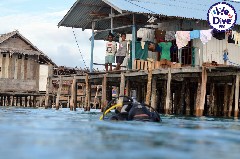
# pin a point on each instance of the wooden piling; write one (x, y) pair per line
(230, 104)
(149, 85)
(236, 111)
(73, 100)
(226, 97)
(187, 98)
(122, 87)
(201, 93)
(88, 94)
(154, 94)
(104, 92)
(181, 101)
(211, 99)
(59, 92)
(47, 93)
(128, 89)
(168, 91)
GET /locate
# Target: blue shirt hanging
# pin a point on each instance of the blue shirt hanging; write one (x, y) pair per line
(195, 34)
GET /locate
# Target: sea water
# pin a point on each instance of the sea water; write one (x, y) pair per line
(41, 134)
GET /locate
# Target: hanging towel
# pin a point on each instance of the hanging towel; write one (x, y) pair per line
(237, 38)
(205, 35)
(195, 34)
(170, 36)
(182, 38)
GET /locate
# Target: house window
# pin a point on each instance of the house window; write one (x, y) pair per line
(0, 69)
(4, 55)
(26, 57)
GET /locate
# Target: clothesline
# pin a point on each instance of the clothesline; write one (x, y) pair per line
(183, 37)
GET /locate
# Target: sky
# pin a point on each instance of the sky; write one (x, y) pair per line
(38, 20)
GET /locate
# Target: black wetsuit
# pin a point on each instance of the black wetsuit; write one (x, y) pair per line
(136, 111)
(140, 112)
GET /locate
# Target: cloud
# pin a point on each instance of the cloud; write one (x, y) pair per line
(58, 43)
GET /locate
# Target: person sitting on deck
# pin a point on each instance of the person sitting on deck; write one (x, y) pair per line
(110, 52)
(122, 51)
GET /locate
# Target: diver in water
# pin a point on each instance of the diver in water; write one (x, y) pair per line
(135, 111)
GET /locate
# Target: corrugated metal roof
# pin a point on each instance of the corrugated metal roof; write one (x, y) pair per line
(80, 14)
(194, 9)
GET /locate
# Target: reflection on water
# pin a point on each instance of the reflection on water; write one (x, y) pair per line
(40, 133)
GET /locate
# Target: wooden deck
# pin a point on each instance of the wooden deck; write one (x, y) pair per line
(209, 91)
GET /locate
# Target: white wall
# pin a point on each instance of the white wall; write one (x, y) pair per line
(213, 51)
(43, 75)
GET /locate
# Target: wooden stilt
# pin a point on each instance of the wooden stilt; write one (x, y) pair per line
(73, 101)
(128, 89)
(17, 100)
(30, 101)
(187, 99)
(34, 101)
(21, 104)
(236, 111)
(181, 101)
(154, 94)
(230, 104)
(226, 97)
(26, 103)
(104, 93)
(11, 100)
(122, 87)
(211, 99)
(59, 92)
(149, 85)
(87, 93)
(89, 96)
(1, 102)
(47, 94)
(168, 91)
(201, 93)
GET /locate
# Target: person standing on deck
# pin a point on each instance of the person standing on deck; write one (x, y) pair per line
(110, 52)
(122, 51)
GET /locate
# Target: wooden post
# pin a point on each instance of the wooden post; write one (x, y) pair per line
(226, 97)
(89, 96)
(236, 111)
(30, 101)
(87, 99)
(168, 91)
(201, 93)
(122, 87)
(211, 99)
(59, 92)
(180, 105)
(187, 99)
(17, 100)
(21, 104)
(47, 93)
(73, 101)
(230, 104)
(104, 92)
(1, 103)
(34, 101)
(11, 101)
(149, 85)
(140, 92)
(25, 101)
(128, 89)
(154, 94)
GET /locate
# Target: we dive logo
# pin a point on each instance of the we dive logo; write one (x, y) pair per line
(222, 16)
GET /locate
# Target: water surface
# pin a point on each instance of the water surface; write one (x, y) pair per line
(42, 134)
